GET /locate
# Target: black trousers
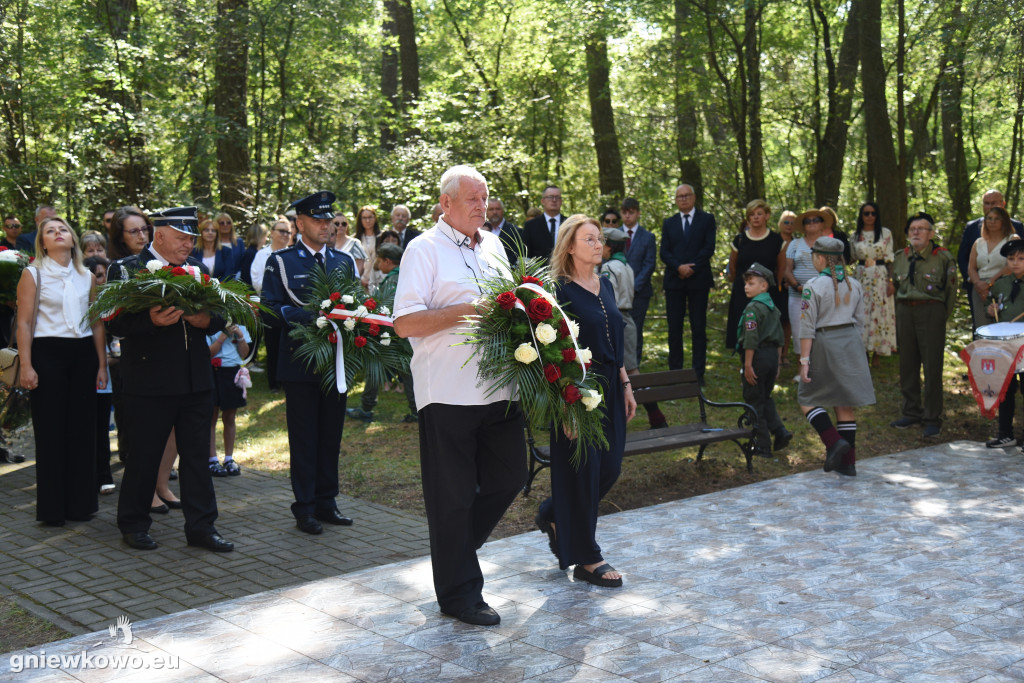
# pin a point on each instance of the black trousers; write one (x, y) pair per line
(639, 315)
(103, 474)
(473, 462)
(272, 337)
(676, 303)
(1008, 407)
(149, 423)
(759, 395)
(63, 420)
(315, 423)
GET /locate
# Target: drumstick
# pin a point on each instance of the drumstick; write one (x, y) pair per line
(1017, 318)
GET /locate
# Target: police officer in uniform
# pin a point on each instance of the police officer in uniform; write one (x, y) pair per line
(315, 419)
(168, 383)
(924, 275)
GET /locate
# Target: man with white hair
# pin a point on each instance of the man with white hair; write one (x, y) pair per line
(472, 450)
(400, 217)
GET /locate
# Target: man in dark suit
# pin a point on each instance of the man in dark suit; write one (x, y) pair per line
(511, 237)
(400, 217)
(641, 253)
(315, 419)
(972, 231)
(168, 383)
(687, 244)
(540, 233)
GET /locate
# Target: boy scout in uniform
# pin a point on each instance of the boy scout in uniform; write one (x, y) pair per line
(1006, 297)
(924, 275)
(760, 339)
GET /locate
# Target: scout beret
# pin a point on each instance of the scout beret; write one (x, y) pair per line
(920, 216)
(828, 245)
(760, 271)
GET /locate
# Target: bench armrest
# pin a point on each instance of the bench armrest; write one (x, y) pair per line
(748, 419)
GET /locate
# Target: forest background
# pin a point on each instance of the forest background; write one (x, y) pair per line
(247, 104)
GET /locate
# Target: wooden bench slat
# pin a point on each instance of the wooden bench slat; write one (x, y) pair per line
(656, 379)
(666, 393)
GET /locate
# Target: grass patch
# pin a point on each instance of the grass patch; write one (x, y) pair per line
(20, 629)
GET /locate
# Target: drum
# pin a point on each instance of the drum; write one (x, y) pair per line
(1002, 331)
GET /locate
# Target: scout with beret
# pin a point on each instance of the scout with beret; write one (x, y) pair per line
(924, 275)
(833, 363)
(168, 384)
(315, 419)
(1006, 303)
(760, 339)
(620, 274)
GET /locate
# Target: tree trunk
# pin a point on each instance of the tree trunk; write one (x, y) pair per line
(951, 90)
(1013, 174)
(752, 56)
(842, 79)
(686, 104)
(881, 153)
(409, 58)
(602, 118)
(229, 104)
(389, 76)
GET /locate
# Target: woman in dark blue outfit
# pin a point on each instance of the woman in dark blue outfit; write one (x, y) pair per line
(569, 516)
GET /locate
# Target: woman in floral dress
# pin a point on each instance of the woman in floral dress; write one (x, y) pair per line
(871, 246)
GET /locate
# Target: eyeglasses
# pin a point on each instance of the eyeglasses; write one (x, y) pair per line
(224, 223)
(684, 196)
(135, 232)
(611, 221)
(552, 198)
(920, 229)
(867, 213)
(282, 231)
(815, 219)
(787, 222)
(993, 219)
(591, 242)
(12, 226)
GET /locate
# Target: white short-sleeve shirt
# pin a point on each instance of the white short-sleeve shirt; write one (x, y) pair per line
(436, 273)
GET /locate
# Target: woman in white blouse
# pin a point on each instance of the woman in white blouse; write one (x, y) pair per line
(62, 364)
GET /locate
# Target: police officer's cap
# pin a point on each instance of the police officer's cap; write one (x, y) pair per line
(317, 205)
(182, 218)
(829, 246)
(1011, 247)
(757, 270)
(920, 216)
(614, 235)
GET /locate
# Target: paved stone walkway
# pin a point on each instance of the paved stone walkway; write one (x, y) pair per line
(81, 576)
(913, 571)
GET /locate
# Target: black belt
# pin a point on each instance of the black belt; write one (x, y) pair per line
(918, 302)
(826, 328)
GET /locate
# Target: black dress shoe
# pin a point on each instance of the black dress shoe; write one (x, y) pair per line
(211, 542)
(160, 509)
(140, 540)
(308, 524)
(834, 455)
(333, 517)
(172, 504)
(482, 615)
(782, 440)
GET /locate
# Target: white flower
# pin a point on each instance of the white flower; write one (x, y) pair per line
(385, 339)
(362, 312)
(348, 299)
(154, 265)
(322, 322)
(574, 328)
(546, 334)
(10, 255)
(525, 353)
(591, 399)
(326, 303)
(350, 324)
(384, 310)
(584, 355)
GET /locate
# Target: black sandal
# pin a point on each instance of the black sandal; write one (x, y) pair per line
(596, 577)
(545, 526)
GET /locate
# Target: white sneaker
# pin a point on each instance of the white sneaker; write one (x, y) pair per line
(107, 489)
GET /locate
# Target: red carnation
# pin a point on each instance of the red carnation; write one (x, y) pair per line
(334, 296)
(206, 279)
(3, 248)
(572, 394)
(506, 300)
(563, 328)
(333, 337)
(370, 304)
(374, 330)
(216, 362)
(588, 364)
(568, 355)
(539, 310)
(532, 280)
(551, 372)
(360, 342)
(178, 270)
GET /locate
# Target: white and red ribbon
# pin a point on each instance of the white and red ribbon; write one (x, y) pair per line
(537, 289)
(339, 354)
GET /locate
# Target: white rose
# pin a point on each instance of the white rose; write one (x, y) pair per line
(153, 266)
(584, 355)
(321, 322)
(384, 310)
(591, 399)
(348, 299)
(326, 303)
(385, 339)
(9, 255)
(525, 353)
(546, 334)
(350, 324)
(574, 328)
(362, 312)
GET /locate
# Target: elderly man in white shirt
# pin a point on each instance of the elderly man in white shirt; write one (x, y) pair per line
(472, 448)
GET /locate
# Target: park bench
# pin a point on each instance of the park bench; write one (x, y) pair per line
(669, 386)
